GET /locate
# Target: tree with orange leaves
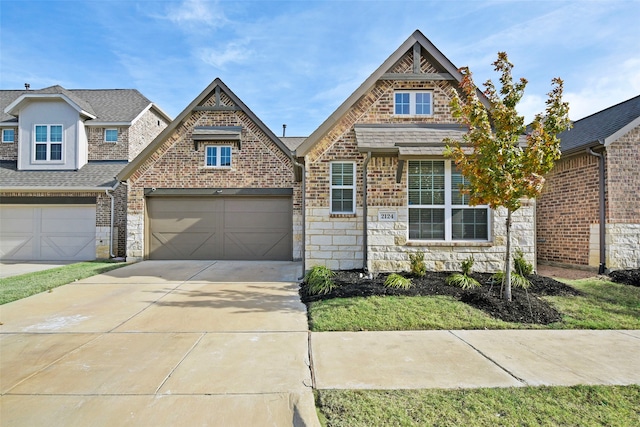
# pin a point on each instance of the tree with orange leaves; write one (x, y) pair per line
(509, 160)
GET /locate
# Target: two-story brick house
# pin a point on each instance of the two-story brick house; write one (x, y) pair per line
(60, 152)
(366, 189)
(589, 212)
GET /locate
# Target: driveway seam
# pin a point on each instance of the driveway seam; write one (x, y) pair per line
(179, 363)
(311, 367)
(521, 380)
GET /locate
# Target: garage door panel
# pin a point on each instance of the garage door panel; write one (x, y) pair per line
(246, 228)
(47, 232)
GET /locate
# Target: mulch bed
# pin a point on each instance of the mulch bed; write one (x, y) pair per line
(525, 307)
(626, 277)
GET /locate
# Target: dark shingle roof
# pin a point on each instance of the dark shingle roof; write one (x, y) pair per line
(599, 126)
(108, 105)
(292, 142)
(93, 174)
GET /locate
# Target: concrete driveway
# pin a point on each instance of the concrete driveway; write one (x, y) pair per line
(160, 343)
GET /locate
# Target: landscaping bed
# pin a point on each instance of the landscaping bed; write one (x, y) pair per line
(526, 307)
(626, 277)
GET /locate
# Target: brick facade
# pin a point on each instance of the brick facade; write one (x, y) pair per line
(258, 163)
(9, 150)
(336, 241)
(568, 209)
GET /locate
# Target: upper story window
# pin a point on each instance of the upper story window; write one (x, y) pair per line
(413, 103)
(217, 156)
(111, 135)
(48, 142)
(438, 209)
(8, 135)
(343, 187)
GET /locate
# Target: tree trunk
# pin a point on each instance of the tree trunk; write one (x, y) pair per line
(507, 266)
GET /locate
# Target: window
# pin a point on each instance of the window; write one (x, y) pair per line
(8, 135)
(217, 156)
(438, 210)
(412, 103)
(111, 135)
(343, 188)
(48, 142)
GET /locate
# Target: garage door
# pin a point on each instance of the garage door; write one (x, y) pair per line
(48, 233)
(230, 228)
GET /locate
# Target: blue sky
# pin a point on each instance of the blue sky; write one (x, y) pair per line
(295, 62)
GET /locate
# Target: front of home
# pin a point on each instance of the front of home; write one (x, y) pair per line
(60, 152)
(369, 187)
(589, 211)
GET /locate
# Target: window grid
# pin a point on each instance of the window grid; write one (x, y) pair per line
(217, 156)
(111, 135)
(342, 187)
(413, 103)
(438, 209)
(48, 142)
(8, 135)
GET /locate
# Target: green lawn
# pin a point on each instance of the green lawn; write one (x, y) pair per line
(605, 305)
(527, 406)
(18, 287)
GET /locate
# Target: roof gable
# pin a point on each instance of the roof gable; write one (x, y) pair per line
(208, 100)
(420, 46)
(603, 127)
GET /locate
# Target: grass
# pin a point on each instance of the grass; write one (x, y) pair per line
(526, 406)
(605, 305)
(18, 287)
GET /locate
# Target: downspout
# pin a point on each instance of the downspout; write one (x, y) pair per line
(304, 211)
(600, 156)
(364, 213)
(111, 254)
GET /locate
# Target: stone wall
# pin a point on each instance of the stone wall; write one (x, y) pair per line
(622, 246)
(334, 241)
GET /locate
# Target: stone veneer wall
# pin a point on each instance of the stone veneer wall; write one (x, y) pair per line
(175, 164)
(623, 202)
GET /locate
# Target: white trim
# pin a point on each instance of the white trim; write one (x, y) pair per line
(342, 187)
(412, 102)
(65, 98)
(53, 189)
(218, 156)
(48, 143)
(91, 123)
(447, 206)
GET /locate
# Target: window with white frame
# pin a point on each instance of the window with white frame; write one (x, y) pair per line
(343, 187)
(48, 142)
(217, 156)
(413, 103)
(438, 209)
(8, 135)
(111, 135)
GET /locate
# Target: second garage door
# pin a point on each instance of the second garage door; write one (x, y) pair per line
(229, 228)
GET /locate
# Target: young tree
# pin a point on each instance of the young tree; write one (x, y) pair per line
(508, 160)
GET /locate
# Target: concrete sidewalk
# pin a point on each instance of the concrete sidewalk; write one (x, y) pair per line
(468, 359)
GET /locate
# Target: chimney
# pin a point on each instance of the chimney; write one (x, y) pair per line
(27, 86)
(284, 129)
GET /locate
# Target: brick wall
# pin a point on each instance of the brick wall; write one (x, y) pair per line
(566, 209)
(176, 164)
(99, 149)
(144, 130)
(623, 181)
(9, 151)
(336, 241)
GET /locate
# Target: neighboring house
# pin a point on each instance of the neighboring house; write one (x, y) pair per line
(216, 184)
(374, 185)
(60, 152)
(589, 211)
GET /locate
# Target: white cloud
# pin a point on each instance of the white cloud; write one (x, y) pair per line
(191, 14)
(233, 52)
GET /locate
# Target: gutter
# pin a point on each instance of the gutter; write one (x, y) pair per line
(602, 268)
(54, 189)
(304, 212)
(111, 254)
(365, 213)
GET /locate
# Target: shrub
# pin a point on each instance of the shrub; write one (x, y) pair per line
(418, 267)
(397, 281)
(319, 280)
(517, 280)
(464, 280)
(520, 265)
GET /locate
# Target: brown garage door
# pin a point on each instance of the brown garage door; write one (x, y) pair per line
(232, 228)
